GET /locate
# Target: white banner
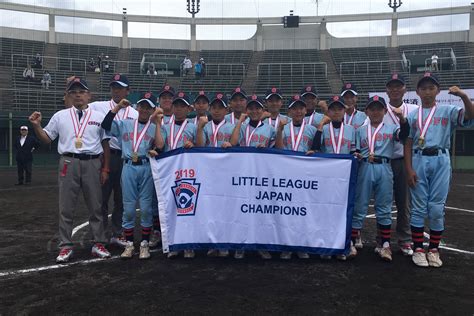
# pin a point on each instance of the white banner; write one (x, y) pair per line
(442, 98)
(248, 198)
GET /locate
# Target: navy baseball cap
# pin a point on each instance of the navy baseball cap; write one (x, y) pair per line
(395, 78)
(309, 90)
(336, 100)
(273, 91)
(119, 79)
(149, 98)
(428, 76)
(77, 82)
(255, 99)
(221, 98)
(201, 94)
(348, 87)
(296, 99)
(376, 100)
(166, 89)
(181, 96)
(238, 91)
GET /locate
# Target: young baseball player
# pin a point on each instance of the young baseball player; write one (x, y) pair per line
(396, 88)
(215, 133)
(179, 133)
(335, 137)
(201, 107)
(274, 103)
(165, 97)
(81, 143)
(237, 102)
(136, 138)
(375, 145)
(310, 97)
(296, 135)
(352, 116)
(428, 165)
(254, 134)
(119, 90)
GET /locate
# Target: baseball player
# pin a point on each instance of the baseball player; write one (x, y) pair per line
(254, 134)
(428, 165)
(201, 107)
(179, 133)
(375, 145)
(119, 90)
(296, 135)
(274, 103)
(237, 102)
(352, 116)
(137, 138)
(310, 97)
(165, 97)
(81, 142)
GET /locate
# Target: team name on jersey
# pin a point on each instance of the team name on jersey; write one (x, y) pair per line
(127, 137)
(380, 137)
(345, 142)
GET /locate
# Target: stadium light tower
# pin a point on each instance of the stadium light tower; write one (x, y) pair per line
(193, 6)
(395, 5)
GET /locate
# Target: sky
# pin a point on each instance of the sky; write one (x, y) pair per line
(234, 8)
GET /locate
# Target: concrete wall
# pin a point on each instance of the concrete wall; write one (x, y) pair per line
(278, 37)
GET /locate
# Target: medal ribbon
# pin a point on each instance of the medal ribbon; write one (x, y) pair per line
(215, 131)
(394, 118)
(174, 140)
(136, 143)
(112, 104)
(351, 118)
(295, 143)
(248, 138)
(424, 126)
(373, 138)
(79, 128)
(277, 120)
(336, 147)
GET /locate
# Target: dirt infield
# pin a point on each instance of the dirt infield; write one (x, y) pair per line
(366, 285)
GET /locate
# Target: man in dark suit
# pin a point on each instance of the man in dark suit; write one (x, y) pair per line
(24, 146)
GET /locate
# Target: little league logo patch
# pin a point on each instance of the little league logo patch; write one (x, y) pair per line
(186, 192)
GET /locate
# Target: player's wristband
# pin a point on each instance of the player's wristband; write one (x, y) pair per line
(105, 170)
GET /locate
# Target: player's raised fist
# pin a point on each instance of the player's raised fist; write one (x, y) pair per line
(35, 118)
(202, 121)
(243, 117)
(455, 90)
(325, 120)
(323, 106)
(123, 103)
(282, 123)
(159, 111)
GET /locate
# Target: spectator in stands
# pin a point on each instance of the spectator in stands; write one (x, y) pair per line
(106, 64)
(203, 67)
(38, 61)
(197, 71)
(46, 81)
(186, 65)
(29, 73)
(151, 72)
(434, 62)
(92, 66)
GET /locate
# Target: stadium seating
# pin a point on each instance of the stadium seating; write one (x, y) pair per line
(341, 55)
(172, 57)
(9, 46)
(83, 53)
(138, 82)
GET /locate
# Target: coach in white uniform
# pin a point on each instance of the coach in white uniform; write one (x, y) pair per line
(119, 89)
(81, 142)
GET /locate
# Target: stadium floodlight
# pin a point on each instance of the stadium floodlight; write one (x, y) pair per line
(395, 5)
(193, 6)
(124, 11)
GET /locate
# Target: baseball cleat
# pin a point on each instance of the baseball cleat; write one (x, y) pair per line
(99, 251)
(128, 252)
(144, 250)
(419, 258)
(386, 253)
(302, 255)
(406, 249)
(173, 254)
(239, 254)
(264, 254)
(189, 254)
(286, 255)
(223, 253)
(155, 239)
(118, 241)
(433, 258)
(64, 255)
(212, 253)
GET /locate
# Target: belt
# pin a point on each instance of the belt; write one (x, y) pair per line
(140, 161)
(430, 151)
(81, 156)
(377, 160)
(115, 152)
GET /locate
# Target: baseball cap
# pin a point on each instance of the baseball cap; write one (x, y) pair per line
(348, 87)
(254, 99)
(201, 94)
(273, 91)
(220, 97)
(166, 89)
(309, 90)
(236, 91)
(77, 82)
(181, 96)
(395, 77)
(149, 98)
(428, 76)
(335, 100)
(296, 99)
(119, 79)
(376, 99)
(24, 128)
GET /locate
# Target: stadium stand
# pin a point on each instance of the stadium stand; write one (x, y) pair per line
(10, 46)
(141, 57)
(83, 53)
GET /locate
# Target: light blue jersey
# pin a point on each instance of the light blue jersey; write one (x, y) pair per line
(275, 122)
(252, 137)
(314, 119)
(123, 130)
(384, 141)
(306, 139)
(348, 139)
(188, 134)
(233, 120)
(357, 119)
(223, 134)
(445, 119)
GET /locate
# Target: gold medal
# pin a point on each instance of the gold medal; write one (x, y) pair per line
(78, 142)
(134, 157)
(421, 141)
(371, 157)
